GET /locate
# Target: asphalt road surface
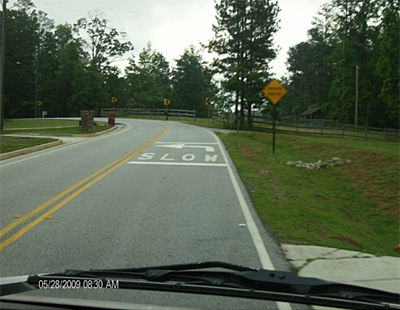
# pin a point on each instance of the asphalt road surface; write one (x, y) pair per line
(152, 193)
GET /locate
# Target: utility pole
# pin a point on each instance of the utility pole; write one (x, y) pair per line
(36, 91)
(356, 107)
(2, 53)
(36, 83)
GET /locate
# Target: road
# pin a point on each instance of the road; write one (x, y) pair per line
(149, 194)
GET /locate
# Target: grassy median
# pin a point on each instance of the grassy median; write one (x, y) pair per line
(352, 206)
(47, 126)
(38, 127)
(9, 144)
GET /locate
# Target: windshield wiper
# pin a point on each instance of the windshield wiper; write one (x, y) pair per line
(235, 281)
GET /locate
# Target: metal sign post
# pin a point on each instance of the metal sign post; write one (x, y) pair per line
(274, 92)
(167, 102)
(208, 104)
(273, 129)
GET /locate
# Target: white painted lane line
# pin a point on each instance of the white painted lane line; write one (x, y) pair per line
(173, 164)
(265, 259)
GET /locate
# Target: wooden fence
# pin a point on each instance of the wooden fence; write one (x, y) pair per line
(321, 128)
(156, 113)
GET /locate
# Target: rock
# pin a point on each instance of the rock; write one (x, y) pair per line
(320, 165)
(299, 164)
(309, 166)
(335, 161)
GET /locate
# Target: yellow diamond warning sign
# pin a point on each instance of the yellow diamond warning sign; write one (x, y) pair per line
(274, 91)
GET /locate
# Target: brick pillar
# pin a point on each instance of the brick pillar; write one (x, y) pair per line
(87, 122)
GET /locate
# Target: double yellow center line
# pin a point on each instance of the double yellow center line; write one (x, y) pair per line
(75, 189)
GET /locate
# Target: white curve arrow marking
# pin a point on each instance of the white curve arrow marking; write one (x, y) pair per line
(182, 145)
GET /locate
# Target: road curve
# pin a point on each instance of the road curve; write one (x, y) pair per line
(152, 193)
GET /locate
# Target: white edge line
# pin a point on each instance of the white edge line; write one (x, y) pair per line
(197, 143)
(173, 164)
(265, 259)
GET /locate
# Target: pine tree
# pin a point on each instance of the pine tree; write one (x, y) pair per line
(244, 42)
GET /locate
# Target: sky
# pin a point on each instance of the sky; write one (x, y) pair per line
(173, 25)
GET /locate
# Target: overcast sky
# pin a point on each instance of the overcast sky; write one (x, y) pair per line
(173, 25)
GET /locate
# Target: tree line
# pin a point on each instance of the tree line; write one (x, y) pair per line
(349, 66)
(68, 68)
(351, 55)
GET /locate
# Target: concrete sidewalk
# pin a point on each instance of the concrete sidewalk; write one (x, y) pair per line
(349, 267)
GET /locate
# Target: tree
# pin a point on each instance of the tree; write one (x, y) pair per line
(148, 79)
(349, 35)
(36, 63)
(244, 41)
(70, 55)
(20, 61)
(88, 90)
(191, 83)
(54, 65)
(116, 86)
(104, 45)
(354, 48)
(387, 64)
(103, 48)
(46, 64)
(307, 62)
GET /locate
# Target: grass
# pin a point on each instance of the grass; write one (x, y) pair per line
(9, 144)
(36, 122)
(353, 207)
(204, 122)
(46, 126)
(38, 126)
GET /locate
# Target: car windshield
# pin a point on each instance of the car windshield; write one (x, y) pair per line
(257, 133)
